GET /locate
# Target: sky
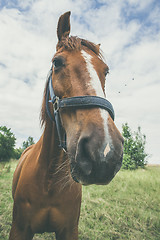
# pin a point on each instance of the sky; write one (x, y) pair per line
(129, 34)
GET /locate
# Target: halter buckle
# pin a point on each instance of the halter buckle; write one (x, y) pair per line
(56, 104)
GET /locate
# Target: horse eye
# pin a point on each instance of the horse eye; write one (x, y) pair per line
(58, 62)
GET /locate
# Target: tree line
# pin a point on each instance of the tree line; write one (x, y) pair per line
(134, 156)
(8, 142)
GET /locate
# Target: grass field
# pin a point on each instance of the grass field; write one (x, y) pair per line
(128, 208)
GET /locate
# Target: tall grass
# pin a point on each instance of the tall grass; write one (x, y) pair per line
(128, 208)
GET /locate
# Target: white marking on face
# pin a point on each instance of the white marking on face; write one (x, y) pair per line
(95, 84)
(107, 150)
(94, 79)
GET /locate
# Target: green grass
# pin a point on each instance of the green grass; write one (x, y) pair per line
(128, 208)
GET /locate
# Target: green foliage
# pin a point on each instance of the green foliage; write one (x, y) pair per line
(128, 162)
(134, 148)
(18, 152)
(7, 143)
(29, 142)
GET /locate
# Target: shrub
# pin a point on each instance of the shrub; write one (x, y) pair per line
(7, 143)
(134, 148)
(18, 152)
(29, 142)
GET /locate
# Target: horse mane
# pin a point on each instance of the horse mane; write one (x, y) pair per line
(76, 43)
(68, 43)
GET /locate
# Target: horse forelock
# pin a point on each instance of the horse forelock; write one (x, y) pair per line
(76, 43)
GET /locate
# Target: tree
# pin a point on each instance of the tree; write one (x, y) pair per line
(18, 152)
(134, 148)
(7, 143)
(29, 142)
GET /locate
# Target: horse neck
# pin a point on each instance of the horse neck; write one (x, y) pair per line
(51, 155)
(52, 163)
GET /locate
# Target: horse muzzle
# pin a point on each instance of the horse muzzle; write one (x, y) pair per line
(94, 164)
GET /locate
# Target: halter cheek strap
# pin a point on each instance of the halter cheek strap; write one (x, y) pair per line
(55, 101)
(72, 102)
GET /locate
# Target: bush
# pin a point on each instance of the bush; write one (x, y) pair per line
(18, 152)
(29, 142)
(7, 143)
(128, 163)
(134, 148)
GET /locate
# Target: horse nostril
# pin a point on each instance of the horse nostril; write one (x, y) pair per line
(86, 167)
(83, 157)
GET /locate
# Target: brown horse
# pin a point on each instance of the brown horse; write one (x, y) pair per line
(47, 181)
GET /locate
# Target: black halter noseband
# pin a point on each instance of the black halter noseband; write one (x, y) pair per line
(72, 102)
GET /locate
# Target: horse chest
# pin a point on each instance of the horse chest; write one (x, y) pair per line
(47, 220)
(50, 212)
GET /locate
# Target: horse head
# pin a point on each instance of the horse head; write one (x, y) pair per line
(94, 144)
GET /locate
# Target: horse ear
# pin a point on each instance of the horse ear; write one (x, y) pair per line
(63, 28)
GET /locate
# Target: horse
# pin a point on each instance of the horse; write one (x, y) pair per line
(80, 144)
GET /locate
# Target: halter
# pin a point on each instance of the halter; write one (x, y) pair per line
(72, 102)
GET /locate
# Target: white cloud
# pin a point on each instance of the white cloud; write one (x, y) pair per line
(129, 33)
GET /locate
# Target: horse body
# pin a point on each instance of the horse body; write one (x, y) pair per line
(46, 199)
(47, 181)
